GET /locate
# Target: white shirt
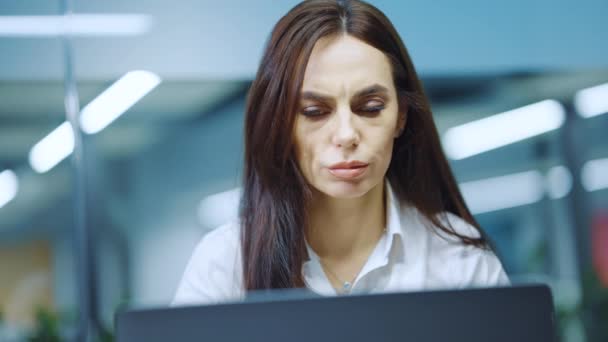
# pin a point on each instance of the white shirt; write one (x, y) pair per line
(408, 257)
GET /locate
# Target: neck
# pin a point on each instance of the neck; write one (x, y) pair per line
(343, 228)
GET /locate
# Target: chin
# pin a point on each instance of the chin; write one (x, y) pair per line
(346, 190)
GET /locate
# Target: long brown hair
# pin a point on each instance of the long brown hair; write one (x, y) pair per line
(275, 193)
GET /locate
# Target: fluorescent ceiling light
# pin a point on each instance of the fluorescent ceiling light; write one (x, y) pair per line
(592, 101)
(217, 209)
(9, 185)
(503, 192)
(558, 182)
(75, 25)
(594, 174)
(52, 149)
(116, 100)
(503, 129)
(97, 115)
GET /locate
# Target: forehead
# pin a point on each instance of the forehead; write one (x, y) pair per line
(344, 64)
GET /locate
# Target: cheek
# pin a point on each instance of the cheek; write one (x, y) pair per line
(384, 149)
(388, 151)
(382, 134)
(382, 140)
(304, 148)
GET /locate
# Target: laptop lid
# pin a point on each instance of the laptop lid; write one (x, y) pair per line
(521, 314)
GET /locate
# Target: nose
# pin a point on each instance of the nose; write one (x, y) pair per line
(345, 133)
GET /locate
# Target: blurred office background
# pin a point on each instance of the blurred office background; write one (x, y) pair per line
(164, 172)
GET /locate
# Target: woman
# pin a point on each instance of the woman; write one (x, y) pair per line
(346, 188)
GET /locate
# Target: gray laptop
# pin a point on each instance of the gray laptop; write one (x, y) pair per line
(523, 313)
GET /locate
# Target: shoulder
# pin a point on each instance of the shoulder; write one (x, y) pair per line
(414, 222)
(213, 272)
(225, 235)
(216, 246)
(458, 225)
(451, 263)
(219, 247)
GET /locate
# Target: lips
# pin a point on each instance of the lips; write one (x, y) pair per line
(348, 170)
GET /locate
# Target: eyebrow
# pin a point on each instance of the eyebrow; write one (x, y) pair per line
(373, 89)
(312, 96)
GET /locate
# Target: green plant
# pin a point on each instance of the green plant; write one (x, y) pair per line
(47, 327)
(595, 307)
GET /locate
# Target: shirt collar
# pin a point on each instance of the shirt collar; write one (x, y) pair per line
(394, 229)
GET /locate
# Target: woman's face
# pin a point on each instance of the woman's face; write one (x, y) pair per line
(348, 118)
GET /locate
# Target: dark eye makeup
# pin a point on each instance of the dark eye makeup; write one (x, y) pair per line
(314, 111)
(368, 102)
(368, 109)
